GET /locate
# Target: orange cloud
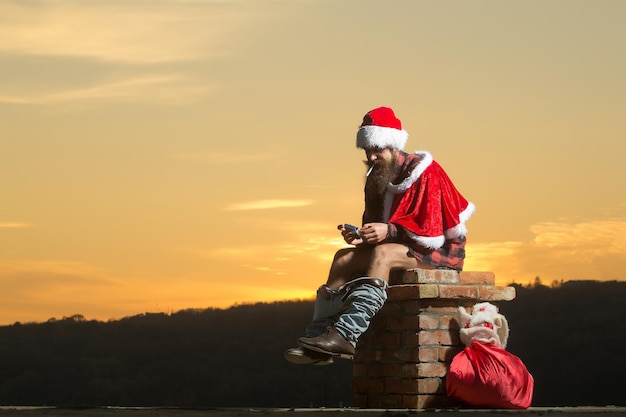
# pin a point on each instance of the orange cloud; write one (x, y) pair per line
(563, 250)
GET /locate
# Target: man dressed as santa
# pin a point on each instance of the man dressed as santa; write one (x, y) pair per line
(414, 217)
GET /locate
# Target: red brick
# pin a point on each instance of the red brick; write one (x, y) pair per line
(378, 324)
(407, 322)
(387, 340)
(412, 307)
(402, 292)
(467, 277)
(392, 308)
(430, 276)
(401, 355)
(435, 337)
(488, 293)
(410, 370)
(449, 321)
(384, 401)
(367, 386)
(431, 370)
(408, 306)
(447, 353)
(401, 386)
(430, 386)
(411, 292)
(368, 355)
(410, 339)
(428, 291)
(359, 400)
(458, 291)
(359, 370)
(378, 370)
(426, 401)
(428, 354)
(440, 306)
(434, 401)
(410, 401)
(428, 321)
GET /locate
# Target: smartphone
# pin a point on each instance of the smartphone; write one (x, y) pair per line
(352, 228)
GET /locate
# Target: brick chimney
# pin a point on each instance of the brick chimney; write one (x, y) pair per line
(403, 358)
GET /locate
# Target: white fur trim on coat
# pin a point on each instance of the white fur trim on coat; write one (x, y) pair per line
(433, 242)
(417, 172)
(460, 229)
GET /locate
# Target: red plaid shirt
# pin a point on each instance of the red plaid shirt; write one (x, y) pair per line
(450, 256)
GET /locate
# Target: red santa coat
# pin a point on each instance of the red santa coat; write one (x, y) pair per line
(425, 203)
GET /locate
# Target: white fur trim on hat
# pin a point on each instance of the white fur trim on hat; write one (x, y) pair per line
(381, 137)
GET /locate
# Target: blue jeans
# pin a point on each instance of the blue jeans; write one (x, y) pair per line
(349, 309)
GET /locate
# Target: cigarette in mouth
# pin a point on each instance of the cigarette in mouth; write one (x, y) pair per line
(370, 171)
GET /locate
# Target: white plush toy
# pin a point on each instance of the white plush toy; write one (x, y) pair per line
(485, 324)
(484, 374)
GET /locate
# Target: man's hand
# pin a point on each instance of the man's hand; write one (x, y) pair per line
(349, 236)
(373, 233)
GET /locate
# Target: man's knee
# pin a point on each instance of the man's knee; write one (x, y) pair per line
(391, 254)
(389, 249)
(343, 252)
(343, 255)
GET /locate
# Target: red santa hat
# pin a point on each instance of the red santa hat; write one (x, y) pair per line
(381, 129)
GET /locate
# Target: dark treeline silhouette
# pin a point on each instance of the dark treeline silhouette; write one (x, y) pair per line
(570, 336)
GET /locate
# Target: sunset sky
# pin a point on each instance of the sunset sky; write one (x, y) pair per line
(157, 155)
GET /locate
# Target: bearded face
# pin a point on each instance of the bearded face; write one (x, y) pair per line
(383, 171)
(383, 165)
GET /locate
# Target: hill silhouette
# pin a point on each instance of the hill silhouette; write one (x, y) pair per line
(570, 337)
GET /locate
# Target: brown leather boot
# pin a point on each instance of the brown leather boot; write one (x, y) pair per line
(301, 356)
(329, 342)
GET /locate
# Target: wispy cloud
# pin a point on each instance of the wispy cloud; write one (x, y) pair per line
(141, 46)
(19, 266)
(122, 31)
(160, 88)
(268, 204)
(229, 157)
(593, 236)
(279, 258)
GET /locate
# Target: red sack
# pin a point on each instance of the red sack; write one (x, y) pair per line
(485, 375)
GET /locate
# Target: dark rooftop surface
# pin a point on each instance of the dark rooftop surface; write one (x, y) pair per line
(8, 411)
